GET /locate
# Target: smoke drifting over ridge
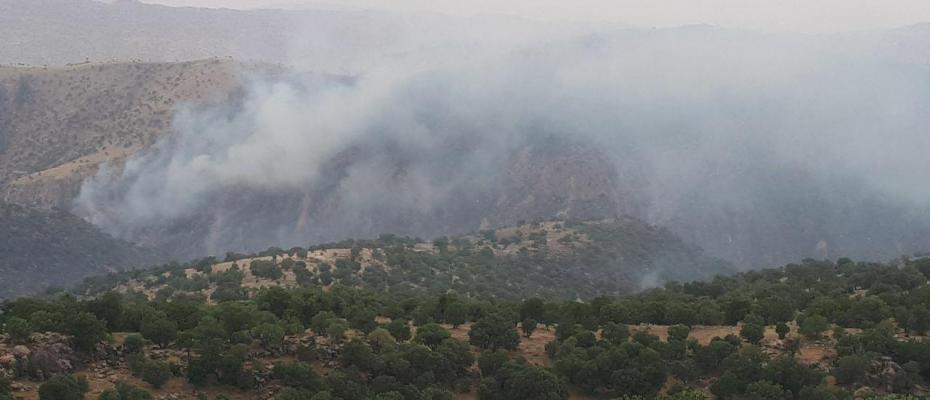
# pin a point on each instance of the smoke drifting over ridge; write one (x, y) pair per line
(761, 148)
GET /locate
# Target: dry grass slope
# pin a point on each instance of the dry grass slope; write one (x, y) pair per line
(58, 124)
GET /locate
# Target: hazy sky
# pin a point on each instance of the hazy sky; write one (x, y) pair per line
(770, 15)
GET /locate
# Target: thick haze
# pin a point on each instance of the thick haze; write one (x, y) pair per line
(820, 16)
(762, 148)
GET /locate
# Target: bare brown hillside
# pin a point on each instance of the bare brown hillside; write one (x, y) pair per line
(58, 124)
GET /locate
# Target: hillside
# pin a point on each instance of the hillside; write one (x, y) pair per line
(817, 330)
(550, 259)
(41, 249)
(57, 125)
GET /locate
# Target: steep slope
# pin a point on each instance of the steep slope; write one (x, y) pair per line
(58, 124)
(42, 249)
(549, 259)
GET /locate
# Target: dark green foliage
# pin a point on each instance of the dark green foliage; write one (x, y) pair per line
(593, 351)
(764, 391)
(5, 388)
(431, 335)
(156, 373)
(533, 308)
(297, 375)
(86, 330)
(528, 326)
(616, 333)
(64, 387)
(490, 361)
(520, 381)
(270, 335)
(813, 326)
(399, 329)
(782, 329)
(17, 329)
(753, 333)
(266, 269)
(133, 343)
(159, 330)
(125, 391)
(494, 332)
(851, 369)
(678, 332)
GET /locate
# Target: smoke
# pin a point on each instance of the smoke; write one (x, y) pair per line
(758, 147)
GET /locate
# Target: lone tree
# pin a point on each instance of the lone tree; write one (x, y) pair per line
(782, 330)
(753, 333)
(528, 326)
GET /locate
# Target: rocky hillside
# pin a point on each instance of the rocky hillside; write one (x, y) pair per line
(549, 259)
(40, 249)
(58, 124)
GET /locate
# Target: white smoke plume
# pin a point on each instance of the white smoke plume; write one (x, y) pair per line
(756, 146)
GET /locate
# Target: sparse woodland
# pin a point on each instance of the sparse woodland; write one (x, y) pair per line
(359, 328)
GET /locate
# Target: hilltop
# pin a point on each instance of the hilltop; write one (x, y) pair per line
(550, 259)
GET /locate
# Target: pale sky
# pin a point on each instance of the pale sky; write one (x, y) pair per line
(768, 15)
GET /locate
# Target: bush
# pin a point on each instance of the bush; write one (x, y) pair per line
(156, 373)
(520, 381)
(528, 326)
(782, 329)
(814, 326)
(753, 333)
(490, 361)
(431, 335)
(160, 331)
(64, 387)
(265, 269)
(133, 343)
(851, 369)
(399, 329)
(298, 375)
(678, 332)
(125, 391)
(18, 329)
(494, 332)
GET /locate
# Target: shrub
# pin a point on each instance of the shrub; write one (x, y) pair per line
(431, 335)
(125, 391)
(494, 332)
(64, 387)
(678, 332)
(850, 369)
(133, 343)
(18, 329)
(753, 333)
(156, 373)
(399, 329)
(814, 326)
(782, 330)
